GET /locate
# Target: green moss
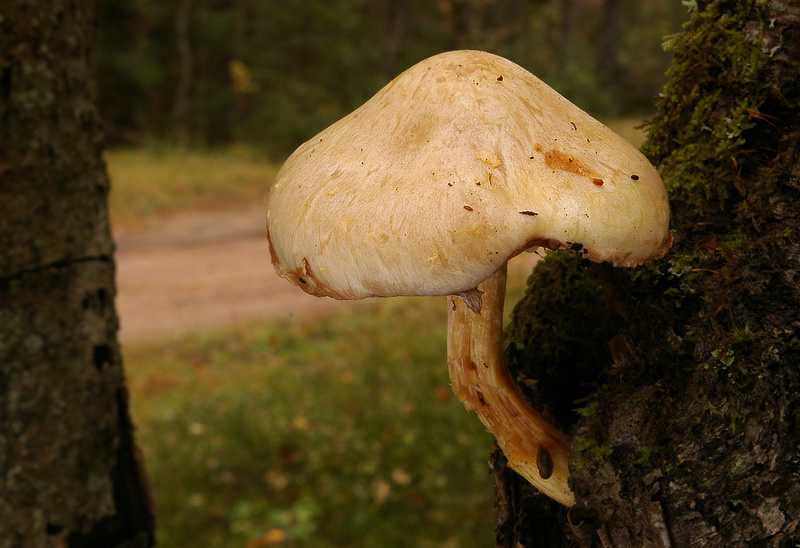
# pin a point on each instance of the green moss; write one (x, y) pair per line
(558, 331)
(700, 136)
(646, 453)
(589, 448)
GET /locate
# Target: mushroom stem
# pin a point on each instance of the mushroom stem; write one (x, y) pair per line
(535, 449)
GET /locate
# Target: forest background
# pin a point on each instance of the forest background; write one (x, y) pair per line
(264, 76)
(272, 73)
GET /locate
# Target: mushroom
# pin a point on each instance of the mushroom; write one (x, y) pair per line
(460, 163)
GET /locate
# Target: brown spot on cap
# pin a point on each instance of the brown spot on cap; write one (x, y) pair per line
(555, 159)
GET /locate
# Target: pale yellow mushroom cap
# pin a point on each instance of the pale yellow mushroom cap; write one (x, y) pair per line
(461, 162)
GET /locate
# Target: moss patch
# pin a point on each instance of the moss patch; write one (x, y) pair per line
(700, 137)
(557, 332)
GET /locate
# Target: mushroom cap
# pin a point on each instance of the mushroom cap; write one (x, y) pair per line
(455, 166)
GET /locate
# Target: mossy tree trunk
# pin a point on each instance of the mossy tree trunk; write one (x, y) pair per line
(679, 382)
(69, 474)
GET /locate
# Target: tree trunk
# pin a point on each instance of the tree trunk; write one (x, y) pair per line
(180, 110)
(611, 32)
(394, 21)
(566, 34)
(685, 373)
(69, 472)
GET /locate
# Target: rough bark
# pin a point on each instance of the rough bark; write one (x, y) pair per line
(679, 382)
(69, 473)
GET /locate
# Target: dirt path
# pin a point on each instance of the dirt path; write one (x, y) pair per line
(201, 270)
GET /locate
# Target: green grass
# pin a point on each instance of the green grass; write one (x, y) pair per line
(332, 432)
(150, 183)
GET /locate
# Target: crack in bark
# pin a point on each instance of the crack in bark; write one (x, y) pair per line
(57, 265)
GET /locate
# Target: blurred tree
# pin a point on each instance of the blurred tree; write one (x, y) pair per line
(686, 371)
(134, 89)
(174, 69)
(312, 61)
(566, 35)
(69, 474)
(611, 33)
(604, 55)
(393, 14)
(180, 111)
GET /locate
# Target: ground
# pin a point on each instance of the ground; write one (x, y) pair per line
(200, 270)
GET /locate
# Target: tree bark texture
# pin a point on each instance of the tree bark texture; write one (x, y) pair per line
(679, 382)
(69, 472)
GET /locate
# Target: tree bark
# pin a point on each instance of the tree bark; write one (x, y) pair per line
(69, 471)
(685, 373)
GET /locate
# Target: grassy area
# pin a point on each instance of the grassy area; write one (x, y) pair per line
(331, 432)
(149, 183)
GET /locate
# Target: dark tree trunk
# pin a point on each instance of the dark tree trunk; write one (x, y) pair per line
(566, 36)
(685, 373)
(69, 473)
(180, 110)
(394, 25)
(611, 33)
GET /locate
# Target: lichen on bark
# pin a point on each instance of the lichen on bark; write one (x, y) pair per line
(685, 373)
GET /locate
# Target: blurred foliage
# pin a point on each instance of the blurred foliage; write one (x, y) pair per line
(339, 431)
(272, 73)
